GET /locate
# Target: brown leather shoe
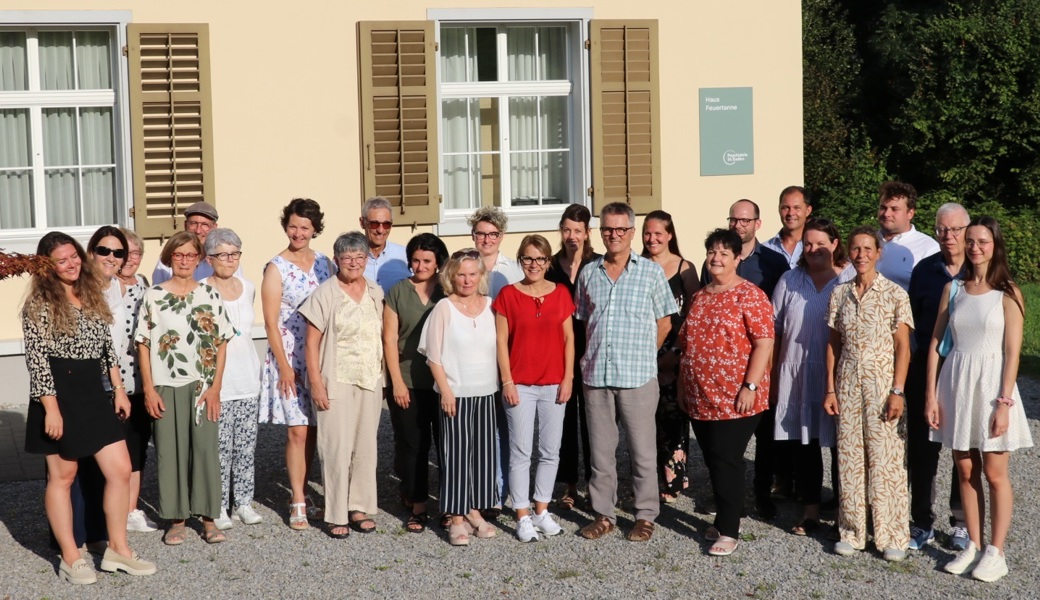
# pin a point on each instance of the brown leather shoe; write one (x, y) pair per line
(642, 532)
(597, 529)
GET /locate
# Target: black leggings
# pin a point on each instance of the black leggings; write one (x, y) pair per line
(723, 444)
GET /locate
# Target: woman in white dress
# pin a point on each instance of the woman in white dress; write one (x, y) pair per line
(289, 279)
(974, 405)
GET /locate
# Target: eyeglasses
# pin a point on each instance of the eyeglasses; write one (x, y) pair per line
(379, 224)
(199, 224)
(618, 231)
(469, 253)
(227, 256)
(539, 260)
(956, 231)
(742, 222)
(105, 251)
(135, 253)
(179, 256)
(491, 235)
(352, 260)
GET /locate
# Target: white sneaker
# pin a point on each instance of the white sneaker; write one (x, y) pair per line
(139, 522)
(223, 522)
(965, 560)
(546, 524)
(525, 530)
(992, 567)
(247, 515)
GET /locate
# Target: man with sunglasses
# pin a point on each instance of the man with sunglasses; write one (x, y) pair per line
(387, 261)
(199, 218)
(763, 267)
(626, 303)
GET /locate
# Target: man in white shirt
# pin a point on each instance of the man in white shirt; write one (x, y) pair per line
(905, 246)
(795, 208)
(387, 262)
(199, 218)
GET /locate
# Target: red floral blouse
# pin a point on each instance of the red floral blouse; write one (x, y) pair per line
(716, 341)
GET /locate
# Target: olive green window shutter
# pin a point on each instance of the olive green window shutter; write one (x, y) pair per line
(398, 97)
(171, 123)
(626, 114)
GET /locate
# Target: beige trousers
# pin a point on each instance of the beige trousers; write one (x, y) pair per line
(872, 470)
(347, 446)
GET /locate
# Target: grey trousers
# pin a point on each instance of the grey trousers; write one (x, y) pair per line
(636, 408)
(187, 457)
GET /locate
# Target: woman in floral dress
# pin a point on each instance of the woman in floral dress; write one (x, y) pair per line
(289, 279)
(181, 351)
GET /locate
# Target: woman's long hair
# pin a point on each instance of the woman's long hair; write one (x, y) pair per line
(998, 275)
(578, 214)
(46, 291)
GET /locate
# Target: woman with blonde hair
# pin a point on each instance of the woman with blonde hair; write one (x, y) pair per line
(65, 322)
(459, 343)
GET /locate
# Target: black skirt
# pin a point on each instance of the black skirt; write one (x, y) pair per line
(89, 419)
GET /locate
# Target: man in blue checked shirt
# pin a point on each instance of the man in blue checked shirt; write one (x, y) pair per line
(625, 302)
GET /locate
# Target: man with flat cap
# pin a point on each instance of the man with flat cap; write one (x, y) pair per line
(199, 218)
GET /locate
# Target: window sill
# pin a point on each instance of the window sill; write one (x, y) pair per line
(519, 222)
(25, 241)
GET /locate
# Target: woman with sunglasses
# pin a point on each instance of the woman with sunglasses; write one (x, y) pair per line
(181, 349)
(534, 319)
(139, 426)
(289, 279)
(459, 343)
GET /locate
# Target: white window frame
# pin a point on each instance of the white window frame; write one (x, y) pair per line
(527, 218)
(115, 21)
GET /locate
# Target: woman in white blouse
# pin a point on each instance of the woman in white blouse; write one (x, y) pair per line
(345, 371)
(460, 346)
(240, 392)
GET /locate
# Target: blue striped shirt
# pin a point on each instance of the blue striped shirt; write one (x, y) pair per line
(621, 319)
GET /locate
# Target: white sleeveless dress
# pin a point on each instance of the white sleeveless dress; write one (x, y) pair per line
(970, 379)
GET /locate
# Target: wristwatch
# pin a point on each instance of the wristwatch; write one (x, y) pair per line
(897, 392)
(750, 386)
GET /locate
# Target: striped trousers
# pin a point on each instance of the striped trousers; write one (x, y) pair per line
(468, 458)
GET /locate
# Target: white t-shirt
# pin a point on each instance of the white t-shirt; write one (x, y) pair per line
(901, 254)
(241, 364)
(466, 348)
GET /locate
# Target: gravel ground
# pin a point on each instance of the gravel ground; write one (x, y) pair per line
(271, 561)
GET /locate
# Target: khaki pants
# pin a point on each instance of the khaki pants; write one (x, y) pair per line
(187, 457)
(347, 446)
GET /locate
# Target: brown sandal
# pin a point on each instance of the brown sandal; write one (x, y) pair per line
(597, 529)
(642, 532)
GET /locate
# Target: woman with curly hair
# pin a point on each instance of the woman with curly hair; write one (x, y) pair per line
(181, 350)
(65, 321)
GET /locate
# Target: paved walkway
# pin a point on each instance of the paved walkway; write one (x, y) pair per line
(15, 464)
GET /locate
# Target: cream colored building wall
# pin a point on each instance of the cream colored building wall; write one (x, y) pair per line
(285, 105)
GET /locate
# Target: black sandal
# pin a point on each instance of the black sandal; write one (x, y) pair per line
(417, 523)
(357, 524)
(338, 536)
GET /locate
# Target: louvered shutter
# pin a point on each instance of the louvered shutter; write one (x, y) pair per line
(626, 122)
(171, 123)
(397, 77)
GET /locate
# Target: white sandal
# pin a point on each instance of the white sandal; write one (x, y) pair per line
(298, 516)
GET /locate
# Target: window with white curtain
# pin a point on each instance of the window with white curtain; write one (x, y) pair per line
(58, 165)
(509, 113)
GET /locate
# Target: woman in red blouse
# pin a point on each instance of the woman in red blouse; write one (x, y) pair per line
(536, 361)
(726, 342)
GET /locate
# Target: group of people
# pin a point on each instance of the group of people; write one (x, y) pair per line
(803, 342)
